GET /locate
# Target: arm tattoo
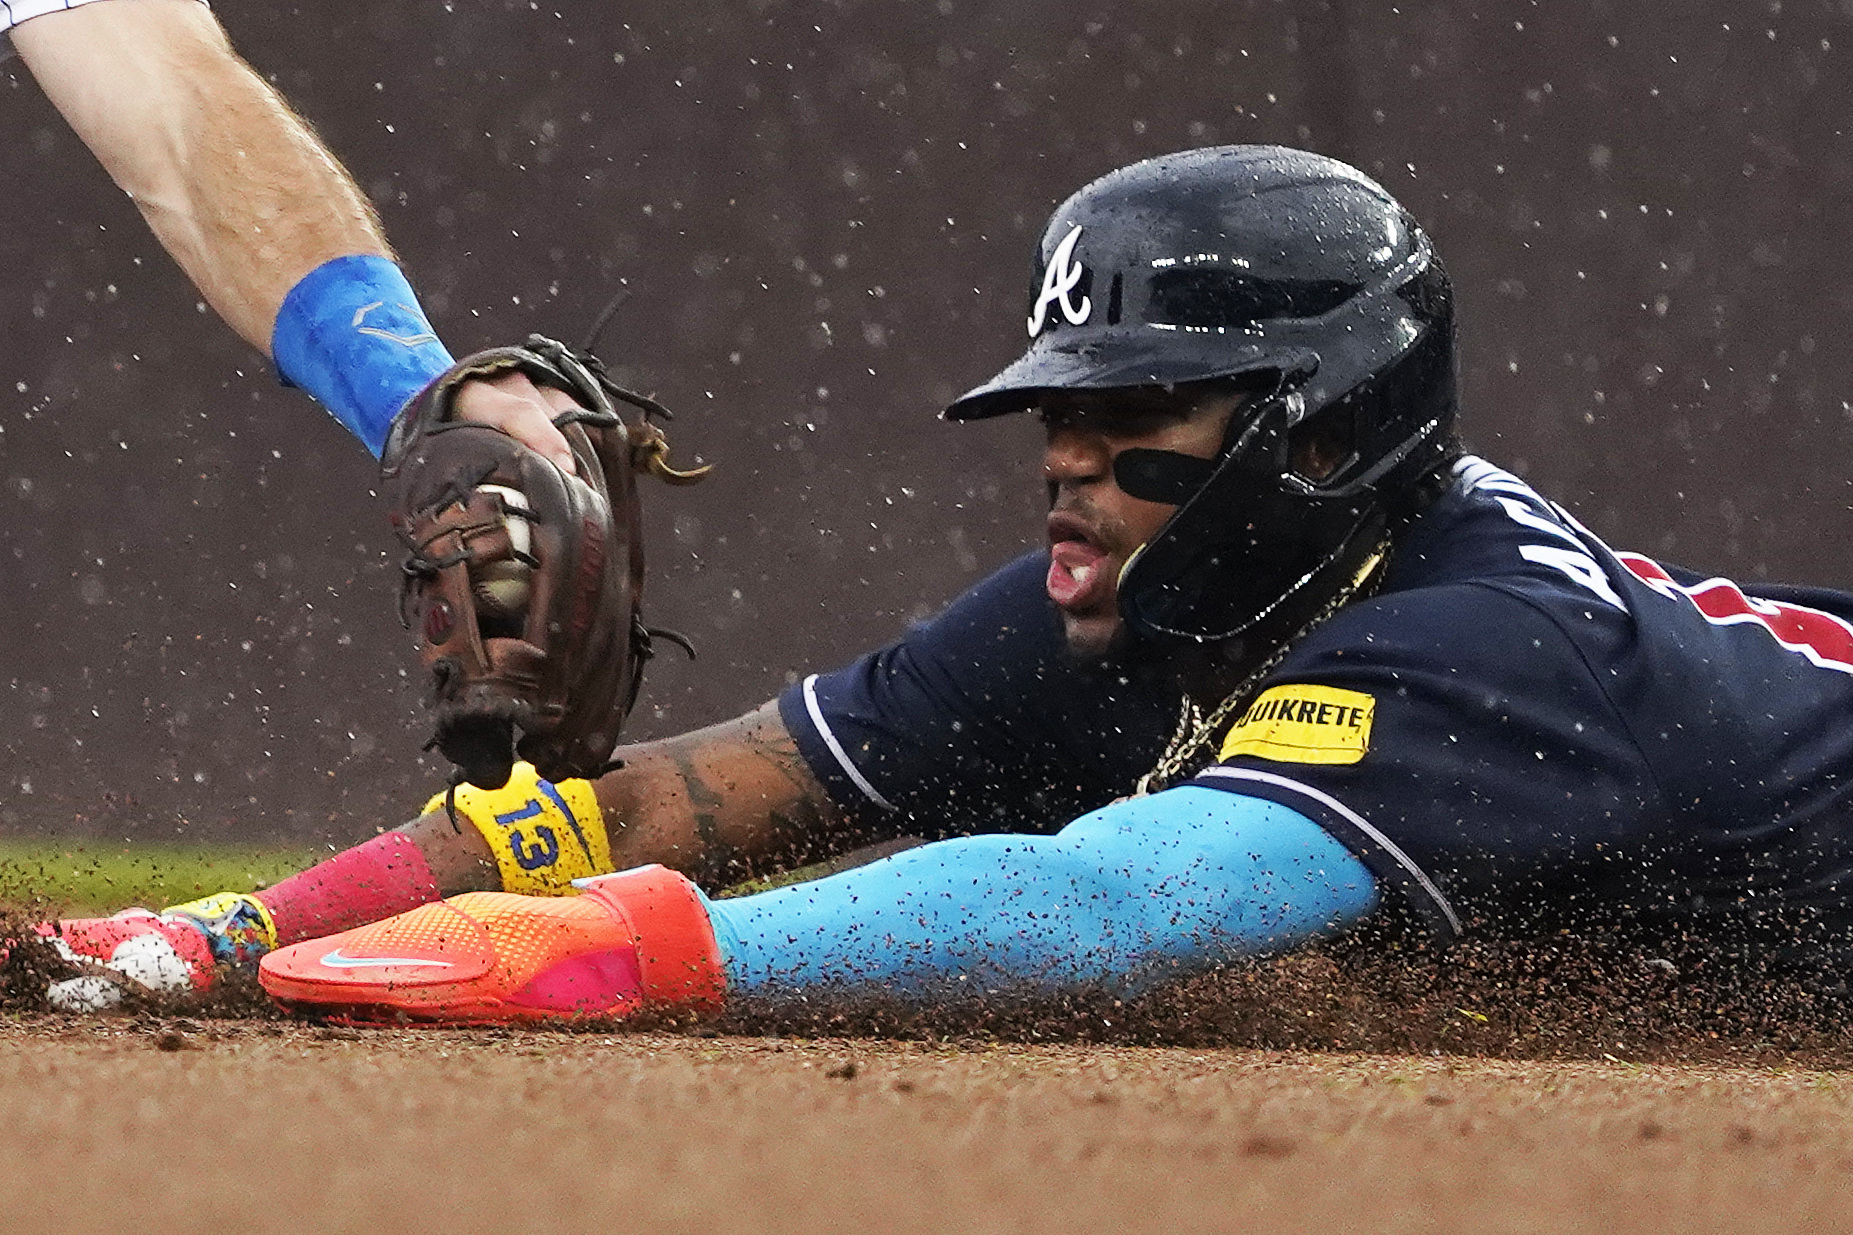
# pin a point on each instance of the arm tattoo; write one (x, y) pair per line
(808, 827)
(797, 823)
(719, 863)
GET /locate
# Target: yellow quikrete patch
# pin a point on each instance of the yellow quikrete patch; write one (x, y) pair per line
(542, 835)
(1304, 724)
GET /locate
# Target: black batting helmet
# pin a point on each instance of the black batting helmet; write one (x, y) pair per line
(1260, 262)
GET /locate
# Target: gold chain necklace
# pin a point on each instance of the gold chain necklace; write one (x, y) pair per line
(1196, 730)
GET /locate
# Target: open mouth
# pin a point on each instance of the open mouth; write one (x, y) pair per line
(1078, 573)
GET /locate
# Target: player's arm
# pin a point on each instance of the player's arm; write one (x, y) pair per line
(233, 183)
(722, 803)
(251, 204)
(1152, 888)
(718, 804)
(1142, 890)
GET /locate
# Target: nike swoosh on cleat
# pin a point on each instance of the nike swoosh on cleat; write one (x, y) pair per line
(335, 960)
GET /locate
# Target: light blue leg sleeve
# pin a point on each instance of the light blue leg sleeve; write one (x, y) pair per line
(1139, 891)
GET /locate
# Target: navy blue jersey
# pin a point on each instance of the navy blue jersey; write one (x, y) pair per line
(1522, 730)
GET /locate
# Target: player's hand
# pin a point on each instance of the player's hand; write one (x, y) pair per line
(519, 408)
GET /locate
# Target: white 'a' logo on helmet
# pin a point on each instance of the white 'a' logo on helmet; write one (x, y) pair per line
(1058, 283)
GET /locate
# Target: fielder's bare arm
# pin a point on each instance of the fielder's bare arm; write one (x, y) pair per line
(251, 204)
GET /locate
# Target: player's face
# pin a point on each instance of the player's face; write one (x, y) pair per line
(1094, 526)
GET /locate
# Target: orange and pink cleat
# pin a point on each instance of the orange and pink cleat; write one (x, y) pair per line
(630, 940)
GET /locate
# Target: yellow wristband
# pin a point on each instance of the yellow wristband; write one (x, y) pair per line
(542, 835)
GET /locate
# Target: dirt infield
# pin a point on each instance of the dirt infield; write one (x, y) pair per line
(1548, 1087)
(162, 1123)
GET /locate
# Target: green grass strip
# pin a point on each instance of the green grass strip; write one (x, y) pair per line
(73, 878)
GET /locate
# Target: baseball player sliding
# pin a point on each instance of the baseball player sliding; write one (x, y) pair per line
(1290, 662)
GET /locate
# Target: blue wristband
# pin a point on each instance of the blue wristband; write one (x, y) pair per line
(351, 333)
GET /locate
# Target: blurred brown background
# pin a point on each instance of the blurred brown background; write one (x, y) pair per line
(826, 212)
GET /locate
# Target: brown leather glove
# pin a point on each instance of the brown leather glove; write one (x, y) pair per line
(522, 582)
